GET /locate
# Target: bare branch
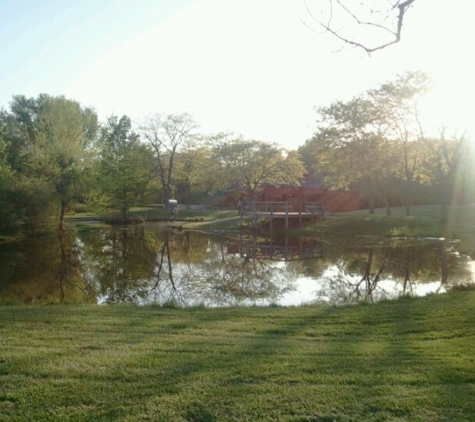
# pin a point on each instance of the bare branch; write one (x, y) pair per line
(328, 25)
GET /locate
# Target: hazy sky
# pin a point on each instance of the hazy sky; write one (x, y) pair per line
(247, 66)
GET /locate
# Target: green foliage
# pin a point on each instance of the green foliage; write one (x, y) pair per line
(410, 359)
(252, 164)
(375, 143)
(402, 231)
(195, 172)
(49, 152)
(167, 135)
(449, 166)
(125, 168)
(62, 154)
(352, 150)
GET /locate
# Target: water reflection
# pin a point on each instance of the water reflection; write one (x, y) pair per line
(374, 273)
(203, 271)
(44, 270)
(273, 247)
(145, 264)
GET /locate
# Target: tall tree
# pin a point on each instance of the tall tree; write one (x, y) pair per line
(196, 171)
(125, 167)
(6, 177)
(50, 143)
(445, 165)
(62, 153)
(352, 148)
(166, 134)
(397, 102)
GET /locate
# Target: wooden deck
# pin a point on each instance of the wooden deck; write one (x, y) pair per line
(290, 212)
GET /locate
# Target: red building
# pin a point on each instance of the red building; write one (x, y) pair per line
(333, 201)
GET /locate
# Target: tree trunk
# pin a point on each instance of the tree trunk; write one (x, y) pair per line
(63, 267)
(408, 196)
(371, 196)
(445, 201)
(166, 195)
(409, 173)
(388, 207)
(124, 204)
(61, 215)
(371, 202)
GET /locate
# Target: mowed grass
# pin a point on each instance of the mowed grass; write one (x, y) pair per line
(209, 219)
(423, 221)
(410, 359)
(458, 214)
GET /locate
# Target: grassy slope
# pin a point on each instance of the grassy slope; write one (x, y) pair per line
(412, 359)
(424, 221)
(209, 218)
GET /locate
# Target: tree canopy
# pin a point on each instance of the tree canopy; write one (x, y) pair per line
(252, 164)
(55, 155)
(50, 142)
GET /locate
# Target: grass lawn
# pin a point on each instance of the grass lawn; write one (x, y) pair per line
(411, 359)
(213, 219)
(424, 221)
(458, 214)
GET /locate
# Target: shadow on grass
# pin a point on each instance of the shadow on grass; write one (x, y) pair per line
(405, 359)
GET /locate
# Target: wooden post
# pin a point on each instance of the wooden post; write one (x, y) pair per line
(286, 216)
(271, 222)
(271, 254)
(286, 247)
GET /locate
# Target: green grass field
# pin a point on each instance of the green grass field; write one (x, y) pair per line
(410, 359)
(458, 214)
(424, 221)
(216, 219)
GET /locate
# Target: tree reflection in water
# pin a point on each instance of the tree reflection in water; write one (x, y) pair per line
(44, 269)
(145, 264)
(372, 273)
(206, 273)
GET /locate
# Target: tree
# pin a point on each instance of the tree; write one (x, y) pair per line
(251, 164)
(50, 151)
(397, 102)
(444, 165)
(371, 25)
(352, 148)
(372, 141)
(62, 152)
(125, 167)
(166, 135)
(196, 171)
(6, 178)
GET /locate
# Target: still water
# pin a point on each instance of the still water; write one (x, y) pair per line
(147, 264)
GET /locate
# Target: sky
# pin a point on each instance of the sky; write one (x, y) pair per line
(251, 67)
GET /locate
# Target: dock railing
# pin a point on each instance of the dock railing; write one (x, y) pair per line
(274, 210)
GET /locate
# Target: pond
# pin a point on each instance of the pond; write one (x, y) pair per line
(149, 265)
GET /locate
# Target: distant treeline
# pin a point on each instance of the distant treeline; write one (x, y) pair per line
(55, 155)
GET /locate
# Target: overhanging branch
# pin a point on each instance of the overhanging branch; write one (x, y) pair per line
(396, 34)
